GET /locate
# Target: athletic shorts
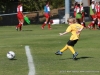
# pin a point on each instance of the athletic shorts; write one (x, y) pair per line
(72, 42)
(93, 17)
(46, 15)
(83, 15)
(74, 13)
(20, 16)
(98, 15)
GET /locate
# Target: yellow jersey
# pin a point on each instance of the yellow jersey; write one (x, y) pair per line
(74, 28)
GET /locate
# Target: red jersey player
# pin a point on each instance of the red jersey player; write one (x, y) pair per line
(47, 16)
(75, 7)
(93, 15)
(98, 13)
(83, 15)
(20, 16)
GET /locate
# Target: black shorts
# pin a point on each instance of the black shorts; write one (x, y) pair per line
(72, 42)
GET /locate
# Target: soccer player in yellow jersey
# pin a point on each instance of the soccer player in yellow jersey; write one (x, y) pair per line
(75, 30)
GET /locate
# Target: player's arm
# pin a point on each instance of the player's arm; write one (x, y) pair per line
(63, 33)
(81, 28)
(93, 8)
(79, 31)
(49, 11)
(21, 10)
(67, 31)
(48, 8)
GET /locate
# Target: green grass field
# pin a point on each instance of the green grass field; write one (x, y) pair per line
(43, 44)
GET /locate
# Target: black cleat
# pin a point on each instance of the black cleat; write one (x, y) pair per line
(74, 55)
(58, 53)
(16, 28)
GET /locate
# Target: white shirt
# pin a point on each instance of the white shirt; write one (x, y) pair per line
(19, 8)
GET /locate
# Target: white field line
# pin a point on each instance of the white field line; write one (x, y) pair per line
(30, 61)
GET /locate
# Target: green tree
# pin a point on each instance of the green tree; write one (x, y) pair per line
(33, 5)
(29, 5)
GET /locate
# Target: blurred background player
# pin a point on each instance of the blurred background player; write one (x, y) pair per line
(20, 16)
(78, 14)
(75, 7)
(97, 8)
(93, 15)
(83, 15)
(75, 29)
(47, 16)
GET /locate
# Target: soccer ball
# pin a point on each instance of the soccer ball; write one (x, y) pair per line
(10, 55)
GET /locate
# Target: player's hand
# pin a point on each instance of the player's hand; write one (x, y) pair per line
(78, 32)
(60, 34)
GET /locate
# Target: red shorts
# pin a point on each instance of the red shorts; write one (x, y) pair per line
(93, 16)
(98, 15)
(74, 13)
(83, 15)
(51, 21)
(20, 16)
(46, 15)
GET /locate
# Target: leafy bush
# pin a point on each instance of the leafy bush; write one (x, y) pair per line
(29, 5)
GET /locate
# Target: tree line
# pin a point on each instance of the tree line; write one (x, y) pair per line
(9, 6)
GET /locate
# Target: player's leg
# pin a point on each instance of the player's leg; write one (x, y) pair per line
(98, 19)
(74, 13)
(18, 25)
(92, 24)
(49, 23)
(18, 17)
(71, 44)
(21, 24)
(83, 21)
(62, 50)
(46, 17)
(21, 21)
(99, 23)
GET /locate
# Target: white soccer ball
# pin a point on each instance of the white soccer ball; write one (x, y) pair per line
(10, 55)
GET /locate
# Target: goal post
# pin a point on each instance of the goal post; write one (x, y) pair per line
(67, 10)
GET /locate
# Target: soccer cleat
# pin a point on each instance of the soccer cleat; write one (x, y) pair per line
(42, 27)
(74, 55)
(58, 53)
(89, 27)
(16, 28)
(49, 28)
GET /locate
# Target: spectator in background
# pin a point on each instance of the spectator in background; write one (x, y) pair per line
(20, 16)
(47, 16)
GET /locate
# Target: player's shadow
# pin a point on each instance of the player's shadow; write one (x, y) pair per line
(13, 59)
(78, 58)
(27, 30)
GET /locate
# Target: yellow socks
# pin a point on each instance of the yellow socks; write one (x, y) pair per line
(63, 49)
(71, 49)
